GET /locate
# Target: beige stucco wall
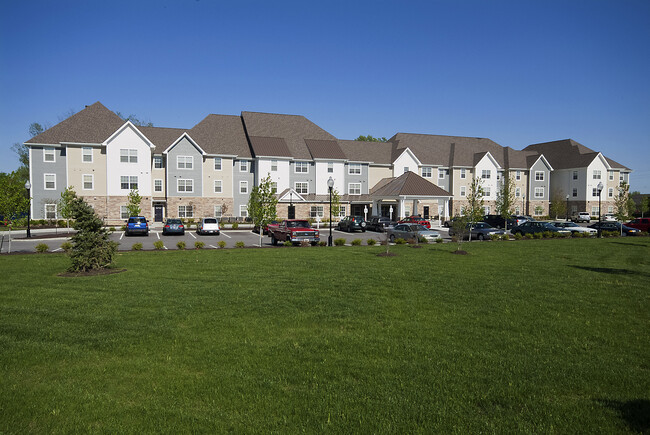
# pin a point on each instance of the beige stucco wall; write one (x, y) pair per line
(77, 169)
(225, 175)
(377, 173)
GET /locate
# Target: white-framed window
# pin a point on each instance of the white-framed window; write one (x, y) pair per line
(87, 154)
(441, 174)
(517, 210)
(594, 191)
(518, 175)
(499, 175)
(243, 210)
(575, 175)
(218, 188)
(574, 209)
(243, 187)
(539, 175)
(486, 209)
(218, 211)
(594, 210)
(184, 162)
(486, 174)
(596, 174)
(274, 165)
(610, 209)
(316, 211)
(539, 192)
(539, 210)
(621, 177)
(274, 187)
(463, 191)
(124, 212)
(463, 173)
(354, 189)
(185, 185)
(575, 192)
(49, 155)
(158, 185)
(128, 182)
(243, 166)
(427, 172)
(610, 192)
(342, 211)
(185, 211)
(128, 156)
(49, 181)
(88, 181)
(406, 169)
(50, 211)
(302, 187)
(217, 163)
(517, 192)
(486, 192)
(157, 162)
(330, 167)
(611, 175)
(301, 167)
(354, 168)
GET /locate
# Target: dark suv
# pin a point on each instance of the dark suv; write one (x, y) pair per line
(137, 225)
(498, 221)
(379, 223)
(352, 223)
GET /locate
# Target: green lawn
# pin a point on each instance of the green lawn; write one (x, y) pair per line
(520, 336)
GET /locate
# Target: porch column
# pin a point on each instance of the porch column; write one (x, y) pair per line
(414, 208)
(401, 208)
(376, 208)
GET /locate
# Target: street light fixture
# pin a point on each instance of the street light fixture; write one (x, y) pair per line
(330, 185)
(567, 207)
(600, 218)
(28, 186)
(523, 204)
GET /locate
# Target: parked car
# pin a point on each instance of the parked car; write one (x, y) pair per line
(615, 226)
(450, 222)
(498, 221)
(265, 231)
(583, 216)
(415, 220)
(411, 231)
(642, 224)
(173, 226)
(480, 230)
(533, 227)
(379, 223)
(352, 223)
(294, 231)
(137, 225)
(574, 228)
(609, 217)
(208, 226)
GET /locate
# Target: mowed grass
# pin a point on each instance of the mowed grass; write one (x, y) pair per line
(527, 336)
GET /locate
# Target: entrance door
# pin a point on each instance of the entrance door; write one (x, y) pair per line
(292, 212)
(157, 213)
(426, 212)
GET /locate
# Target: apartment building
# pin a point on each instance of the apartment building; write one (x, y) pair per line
(210, 169)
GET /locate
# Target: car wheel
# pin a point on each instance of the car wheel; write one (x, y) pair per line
(363, 231)
(218, 232)
(183, 233)
(274, 241)
(392, 238)
(481, 237)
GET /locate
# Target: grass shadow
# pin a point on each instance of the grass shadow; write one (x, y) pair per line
(635, 413)
(612, 271)
(630, 243)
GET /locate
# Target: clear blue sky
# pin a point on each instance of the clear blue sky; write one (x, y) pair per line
(518, 72)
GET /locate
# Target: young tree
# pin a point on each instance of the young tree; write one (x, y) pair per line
(621, 202)
(558, 205)
(91, 247)
(134, 203)
(13, 199)
(461, 229)
(65, 204)
(262, 204)
(474, 209)
(645, 205)
(336, 204)
(506, 199)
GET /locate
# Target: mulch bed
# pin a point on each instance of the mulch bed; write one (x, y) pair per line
(44, 236)
(94, 272)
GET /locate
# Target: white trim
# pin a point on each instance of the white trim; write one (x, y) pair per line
(185, 180)
(288, 197)
(178, 162)
(31, 192)
(214, 163)
(53, 154)
(301, 162)
(356, 166)
(138, 132)
(243, 207)
(214, 186)
(410, 153)
(243, 183)
(247, 166)
(543, 159)
(83, 149)
(83, 181)
(161, 185)
(295, 186)
(189, 138)
(56, 211)
(350, 188)
(45, 182)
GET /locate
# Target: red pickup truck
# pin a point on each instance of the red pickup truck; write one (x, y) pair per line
(294, 231)
(642, 224)
(415, 220)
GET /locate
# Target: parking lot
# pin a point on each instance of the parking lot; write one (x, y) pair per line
(230, 237)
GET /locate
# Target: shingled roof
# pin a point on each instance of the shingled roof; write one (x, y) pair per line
(325, 149)
(269, 146)
(411, 184)
(567, 153)
(294, 129)
(94, 124)
(362, 151)
(221, 134)
(161, 137)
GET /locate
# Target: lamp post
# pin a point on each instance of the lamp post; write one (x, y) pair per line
(523, 204)
(391, 213)
(600, 220)
(330, 185)
(28, 186)
(567, 207)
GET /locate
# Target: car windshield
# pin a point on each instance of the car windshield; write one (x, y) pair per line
(418, 227)
(482, 225)
(174, 221)
(568, 224)
(297, 224)
(137, 220)
(209, 221)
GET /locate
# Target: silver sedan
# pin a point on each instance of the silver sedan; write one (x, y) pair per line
(411, 231)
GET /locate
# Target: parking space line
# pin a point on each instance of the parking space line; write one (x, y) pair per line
(212, 246)
(57, 249)
(165, 247)
(158, 234)
(121, 235)
(192, 234)
(226, 235)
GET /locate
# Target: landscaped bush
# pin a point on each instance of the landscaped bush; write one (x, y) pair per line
(371, 242)
(529, 236)
(537, 235)
(518, 236)
(42, 248)
(495, 237)
(137, 247)
(339, 242)
(546, 234)
(423, 240)
(123, 228)
(111, 229)
(400, 241)
(439, 240)
(356, 242)
(322, 243)
(199, 244)
(288, 243)
(61, 223)
(305, 244)
(180, 245)
(239, 244)
(158, 244)
(66, 246)
(235, 225)
(505, 237)
(221, 244)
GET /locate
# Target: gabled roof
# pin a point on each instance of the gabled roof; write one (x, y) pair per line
(294, 129)
(325, 149)
(192, 142)
(567, 153)
(410, 184)
(94, 124)
(221, 135)
(362, 151)
(162, 137)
